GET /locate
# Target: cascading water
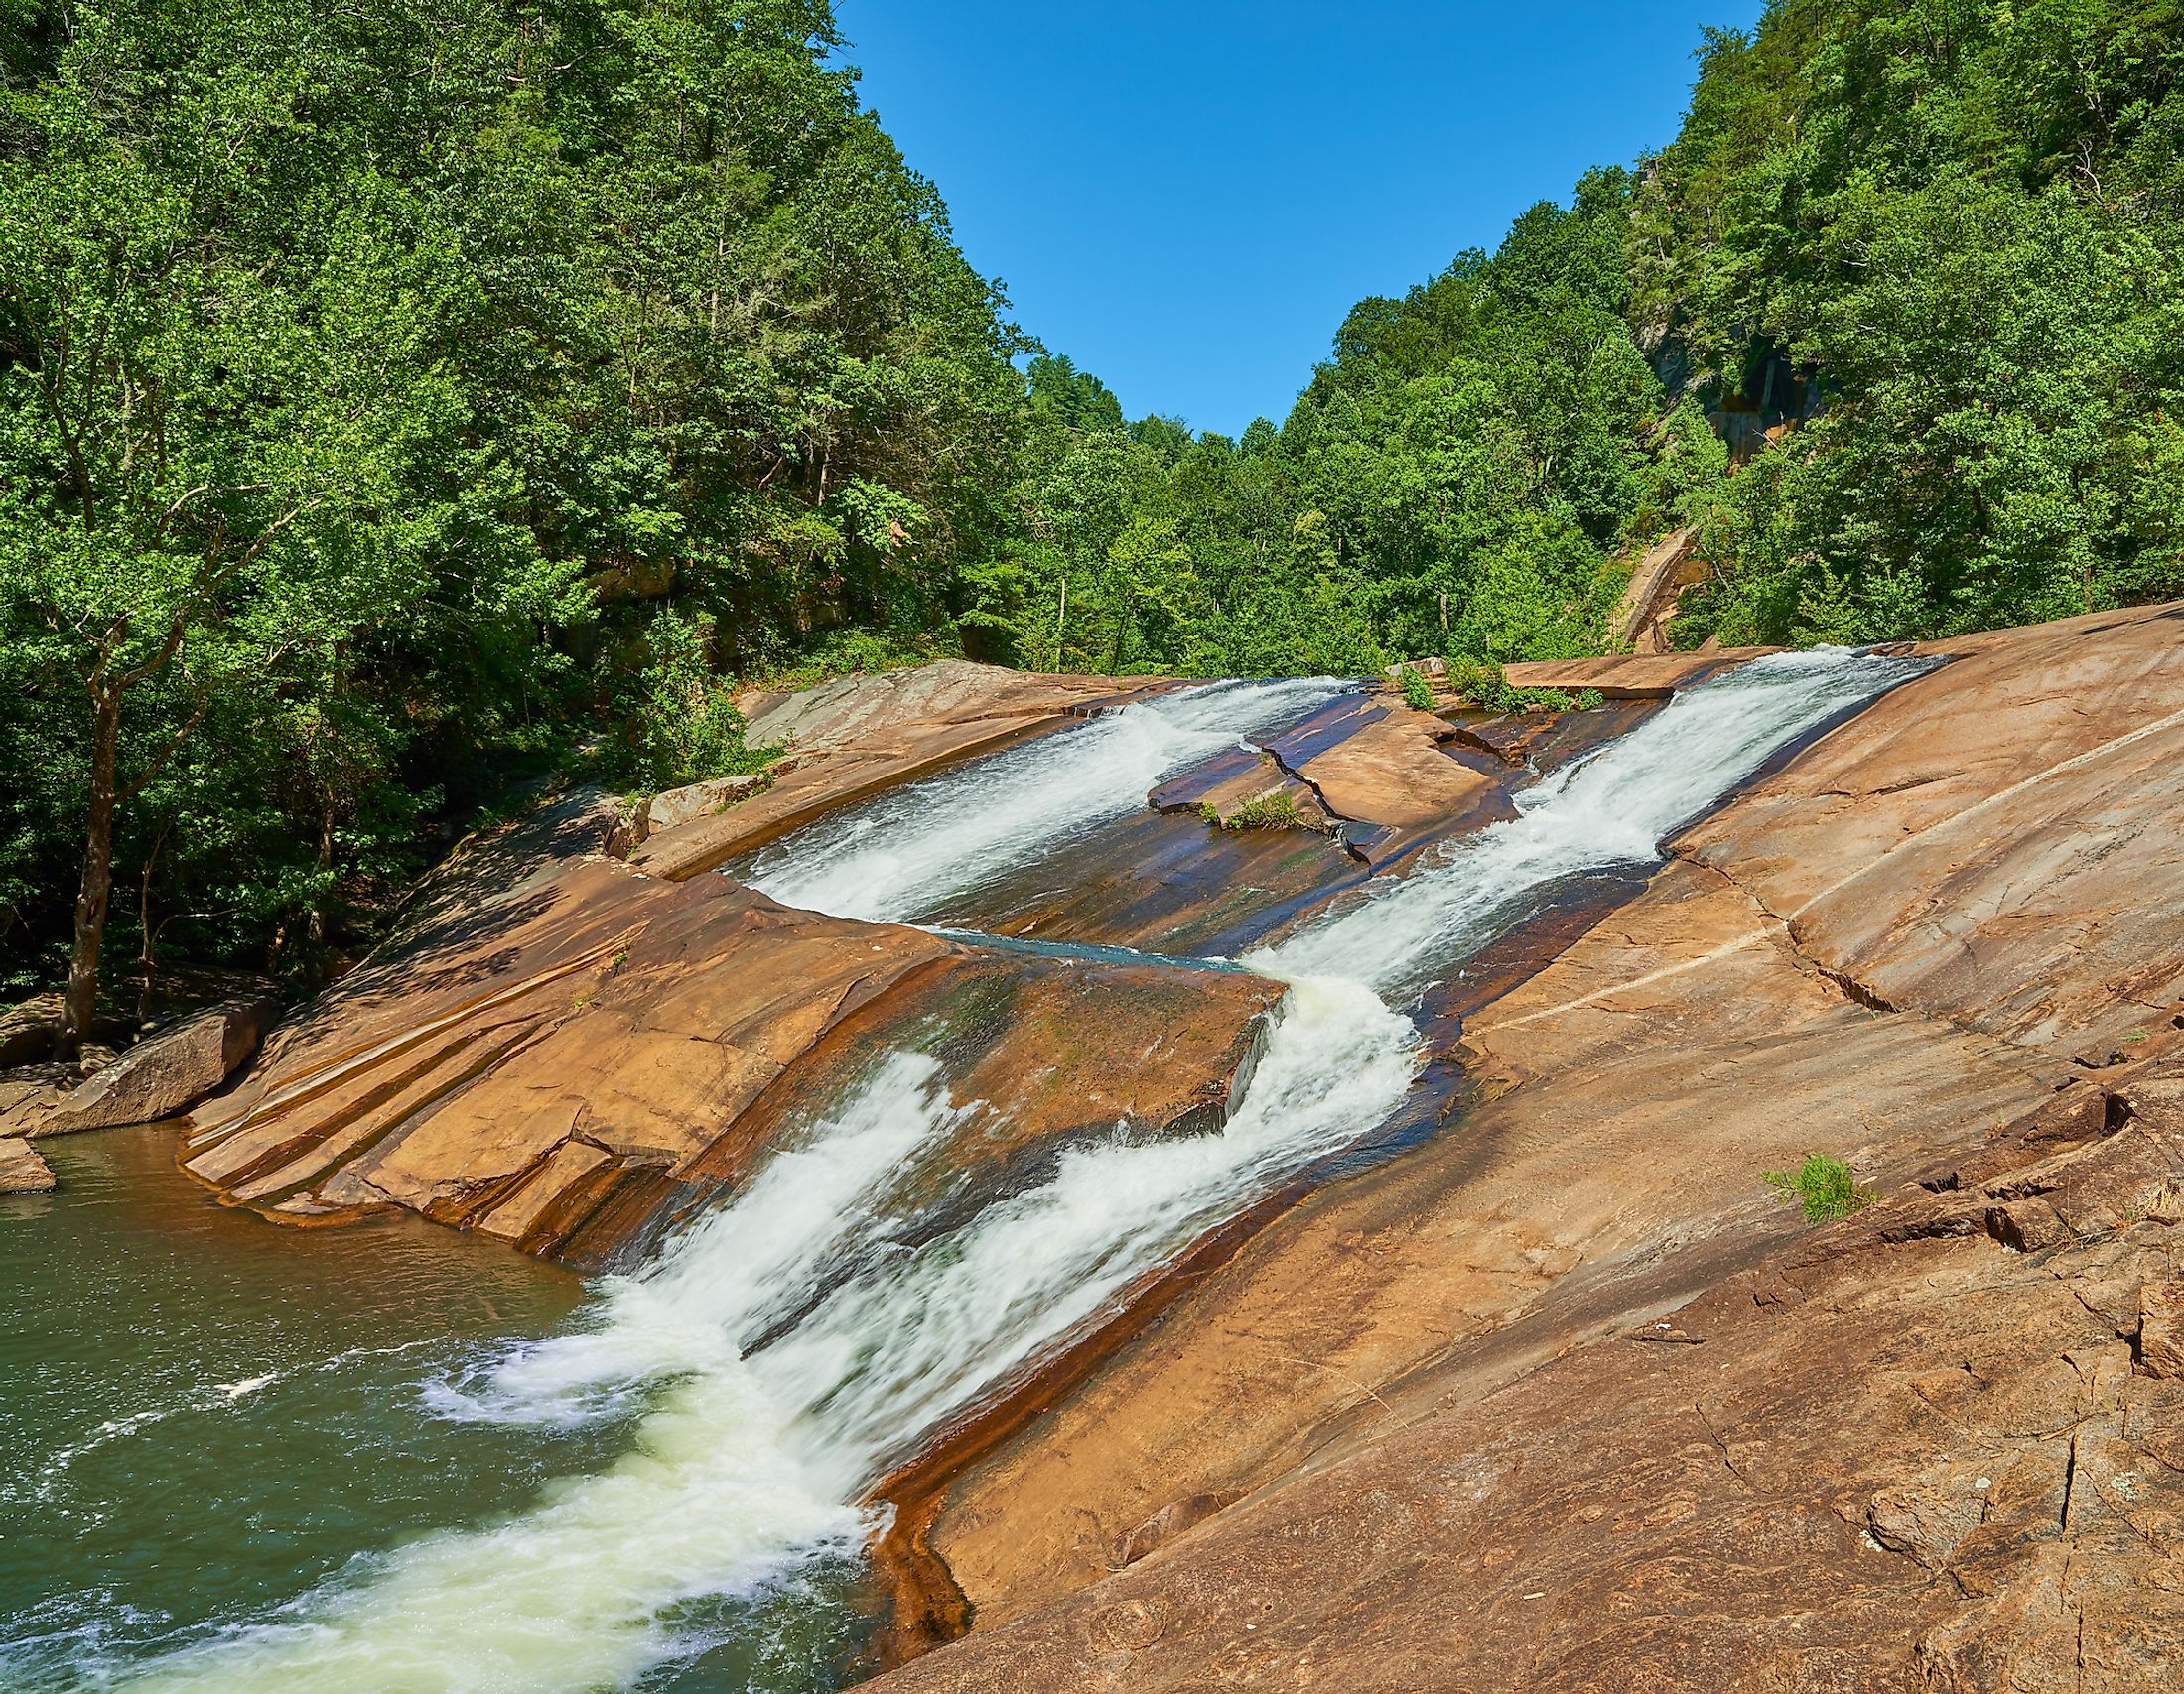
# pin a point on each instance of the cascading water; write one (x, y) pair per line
(903, 857)
(743, 1465)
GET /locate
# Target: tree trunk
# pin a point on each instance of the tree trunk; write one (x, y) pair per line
(81, 1001)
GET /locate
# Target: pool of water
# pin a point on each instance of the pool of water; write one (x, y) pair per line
(203, 1416)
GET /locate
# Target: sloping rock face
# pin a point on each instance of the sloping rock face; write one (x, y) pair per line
(562, 1053)
(1896, 1455)
(2000, 842)
(857, 735)
(1562, 1399)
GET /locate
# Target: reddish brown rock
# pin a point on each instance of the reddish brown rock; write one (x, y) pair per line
(1630, 1094)
(26, 1031)
(2000, 841)
(1923, 1463)
(1414, 1385)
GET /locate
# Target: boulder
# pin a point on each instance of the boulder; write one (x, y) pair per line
(1386, 768)
(26, 1031)
(679, 807)
(22, 1171)
(165, 1074)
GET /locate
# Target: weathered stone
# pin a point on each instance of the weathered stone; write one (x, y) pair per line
(1927, 1521)
(558, 1051)
(1403, 1375)
(28, 1096)
(1999, 842)
(22, 1171)
(2161, 1328)
(1732, 1516)
(165, 1074)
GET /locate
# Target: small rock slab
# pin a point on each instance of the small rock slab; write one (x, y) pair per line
(2161, 1328)
(22, 1171)
(1631, 677)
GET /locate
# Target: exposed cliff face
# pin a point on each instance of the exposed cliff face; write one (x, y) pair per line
(1401, 1440)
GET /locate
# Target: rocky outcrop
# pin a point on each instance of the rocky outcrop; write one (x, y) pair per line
(2000, 842)
(562, 1053)
(1564, 1398)
(1897, 1454)
(855, 736)
(1639, 620)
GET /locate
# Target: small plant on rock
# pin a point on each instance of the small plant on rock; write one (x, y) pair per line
(1275, 810)
(1418, 693)
(1823, 1189)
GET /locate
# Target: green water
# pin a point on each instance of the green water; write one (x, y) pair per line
(204, 1418)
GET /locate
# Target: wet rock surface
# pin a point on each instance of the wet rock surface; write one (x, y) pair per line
(1893, 1454)
(858, 735)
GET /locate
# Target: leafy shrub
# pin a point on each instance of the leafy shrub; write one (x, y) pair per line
(1275, 810)
(682, 725)
(1823, 1189)
(1483, 682)
(1418, 693)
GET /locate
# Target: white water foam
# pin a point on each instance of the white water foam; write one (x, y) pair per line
(905, 856)
(1612, 807)
(744, 1467)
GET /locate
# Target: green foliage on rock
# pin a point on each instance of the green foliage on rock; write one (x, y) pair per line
(1824, 1190)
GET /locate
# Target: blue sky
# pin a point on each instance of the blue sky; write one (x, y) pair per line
(1185, 198)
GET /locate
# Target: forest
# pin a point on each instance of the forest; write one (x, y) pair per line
(404, 400)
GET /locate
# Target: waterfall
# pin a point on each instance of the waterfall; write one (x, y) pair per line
(745, 1461)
